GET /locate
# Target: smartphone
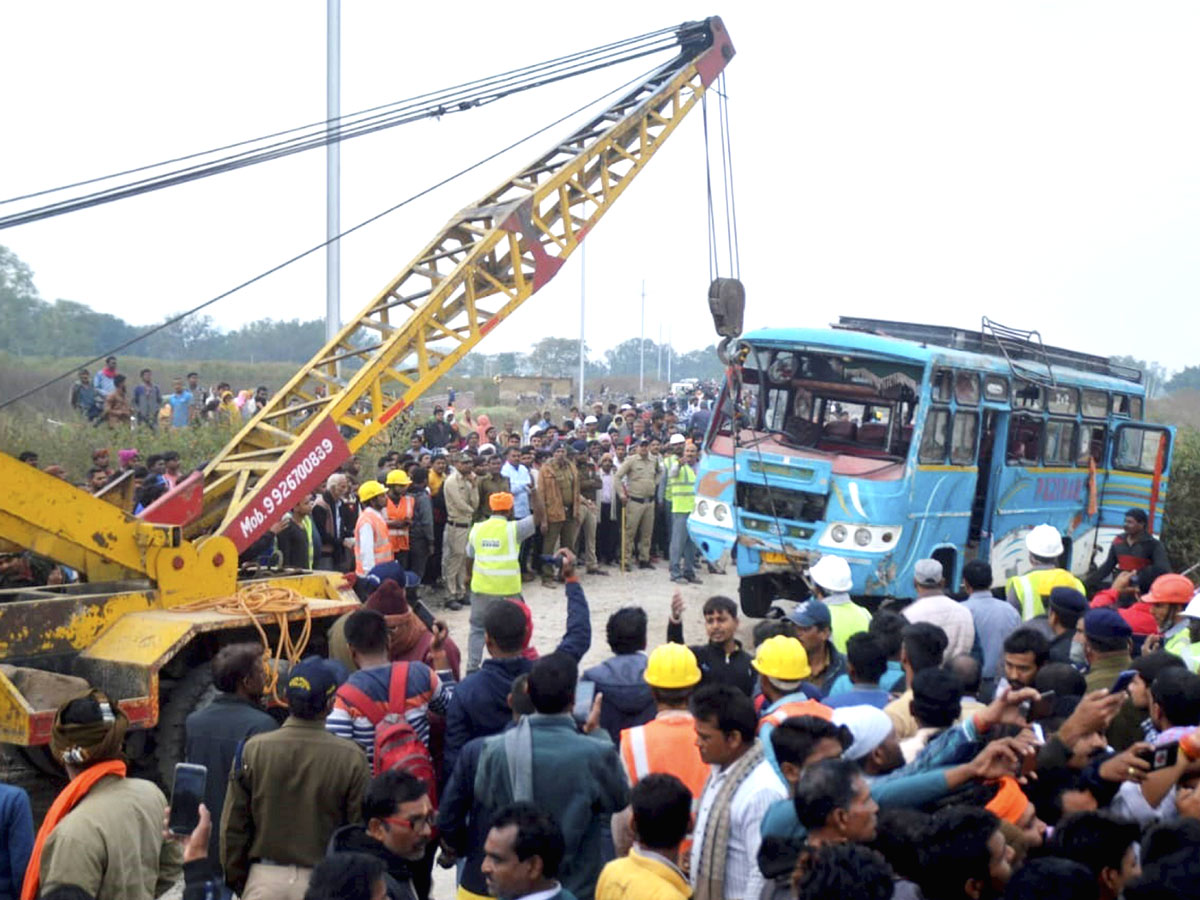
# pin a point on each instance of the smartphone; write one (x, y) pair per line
(585, 693)
(186, 794)
(553, 560)
(1123, 681)
(1041, 708)
(1162, 757)
(423, 613)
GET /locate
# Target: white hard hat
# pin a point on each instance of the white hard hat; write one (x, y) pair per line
(832, 573)
(1044, 541)
(1192, 610)
(535, 430)
(590, 420)
(676, 439)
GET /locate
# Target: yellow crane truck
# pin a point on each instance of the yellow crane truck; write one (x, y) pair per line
(159, 593)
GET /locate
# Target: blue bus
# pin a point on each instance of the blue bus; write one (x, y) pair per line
(889, 442)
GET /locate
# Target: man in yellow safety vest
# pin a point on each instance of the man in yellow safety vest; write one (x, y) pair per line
(681, 500)
(493, 565)
(1029, 592)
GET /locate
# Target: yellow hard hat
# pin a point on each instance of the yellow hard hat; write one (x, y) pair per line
(672, 666)
(398, 476)
(369, 490)
(783, 658)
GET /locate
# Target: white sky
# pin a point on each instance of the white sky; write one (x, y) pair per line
(1034, 162)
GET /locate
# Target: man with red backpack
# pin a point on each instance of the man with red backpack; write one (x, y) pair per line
(385, 706)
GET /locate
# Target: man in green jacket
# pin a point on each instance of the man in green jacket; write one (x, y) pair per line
(545, 760)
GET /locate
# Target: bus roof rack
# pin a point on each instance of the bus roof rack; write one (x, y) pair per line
(1024, 351)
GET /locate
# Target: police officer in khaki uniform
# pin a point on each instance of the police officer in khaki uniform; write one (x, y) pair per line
(462, 499)
(639, 475)
(300, 775)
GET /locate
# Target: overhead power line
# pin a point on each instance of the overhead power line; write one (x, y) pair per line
(469, 95)
(311, 250)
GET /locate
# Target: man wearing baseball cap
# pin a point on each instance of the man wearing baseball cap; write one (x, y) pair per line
(814, 625)
(289, 790)
(933, 606)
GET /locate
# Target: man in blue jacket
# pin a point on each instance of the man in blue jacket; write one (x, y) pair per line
(16, 837)
(480, 704)
(627, 698)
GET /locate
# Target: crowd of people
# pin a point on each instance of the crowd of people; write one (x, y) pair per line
(108, 398)
(1028, 743)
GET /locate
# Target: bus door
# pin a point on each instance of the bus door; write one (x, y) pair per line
(993, 432)
(1011, 508)
(1139, 473)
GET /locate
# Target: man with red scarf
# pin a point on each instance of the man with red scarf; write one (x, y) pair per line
(103, 832)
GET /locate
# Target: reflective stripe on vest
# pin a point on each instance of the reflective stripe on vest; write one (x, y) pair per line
(637, 744)
(1031, 603)
(813, 708)
(497, 568)
(379, 532)
(680, 492)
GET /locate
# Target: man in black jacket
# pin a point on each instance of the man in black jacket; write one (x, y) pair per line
(722, 660)
(400, 820)
(212, 734)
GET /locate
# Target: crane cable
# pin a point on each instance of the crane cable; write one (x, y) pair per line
(460, 98)
(272, 604)
(311, 250)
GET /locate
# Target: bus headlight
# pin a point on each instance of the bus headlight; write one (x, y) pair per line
(862, 536)
(702, 509)
(868, 538)
(720, 512)
(838, 533)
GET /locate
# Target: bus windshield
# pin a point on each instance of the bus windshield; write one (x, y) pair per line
(857, 406)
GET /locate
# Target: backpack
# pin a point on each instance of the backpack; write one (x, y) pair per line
(397, 745)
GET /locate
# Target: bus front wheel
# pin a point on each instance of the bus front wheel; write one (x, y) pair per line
(755, 594)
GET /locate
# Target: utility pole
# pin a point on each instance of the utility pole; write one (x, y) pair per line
(670, 351)
(582, 296)
(642, 346)
(333, 168)
(658, 368)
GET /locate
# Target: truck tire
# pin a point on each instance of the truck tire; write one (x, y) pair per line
(193, 691)
(755, 595)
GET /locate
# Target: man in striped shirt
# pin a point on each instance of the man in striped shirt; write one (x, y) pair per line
(427, 689)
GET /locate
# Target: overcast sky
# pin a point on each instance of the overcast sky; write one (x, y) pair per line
(934, 162)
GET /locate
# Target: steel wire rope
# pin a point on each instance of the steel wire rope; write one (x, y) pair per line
(324, 125)
(727, 148)
(299, 256)
(447, 101)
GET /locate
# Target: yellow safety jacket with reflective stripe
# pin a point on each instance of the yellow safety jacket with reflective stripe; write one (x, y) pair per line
(497, 568)
(680, 492)
(1033, 589)
(1180, 643)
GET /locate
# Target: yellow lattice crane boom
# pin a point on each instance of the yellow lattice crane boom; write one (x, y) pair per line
(486, 261)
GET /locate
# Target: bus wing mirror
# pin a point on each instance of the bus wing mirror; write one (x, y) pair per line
(727, 303)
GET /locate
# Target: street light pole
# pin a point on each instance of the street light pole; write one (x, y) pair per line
(642, 346)
(582, 296)
(333, 166)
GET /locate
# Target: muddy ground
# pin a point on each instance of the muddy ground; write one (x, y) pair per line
(651, 589)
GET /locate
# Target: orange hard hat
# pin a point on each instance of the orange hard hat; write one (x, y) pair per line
(500, 501)
(1171, 588)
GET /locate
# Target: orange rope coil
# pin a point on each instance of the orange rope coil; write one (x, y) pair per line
(259, 602)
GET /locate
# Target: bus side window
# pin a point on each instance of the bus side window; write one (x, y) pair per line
(1135, 407)
(1120, 405)
(1060, 442)
(963, 437)
(933, 438)
(1095, 404)
(1024, 440)
(1090, 445)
